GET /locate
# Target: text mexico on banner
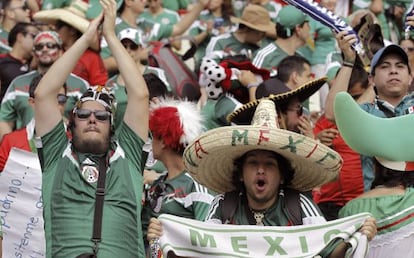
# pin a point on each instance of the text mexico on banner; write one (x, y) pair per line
(191, 238)
(21, 206)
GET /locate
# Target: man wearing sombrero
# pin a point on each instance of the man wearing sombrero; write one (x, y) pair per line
(261, 168)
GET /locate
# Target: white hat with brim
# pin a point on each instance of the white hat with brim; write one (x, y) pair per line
(210, 158)
(255, 17)
(74, 15)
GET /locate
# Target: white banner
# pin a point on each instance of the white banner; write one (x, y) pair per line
(21, 206)
(191, 238)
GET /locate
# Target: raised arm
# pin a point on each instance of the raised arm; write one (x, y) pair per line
(47, 114)
(137, 110)
(342, 79)
(189, 18)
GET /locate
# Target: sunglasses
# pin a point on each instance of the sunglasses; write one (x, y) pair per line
(62, 98)
(298, 110)
(131, 46)
(101, 115)
(49, 45)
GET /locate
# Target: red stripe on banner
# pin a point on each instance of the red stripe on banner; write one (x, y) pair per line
(312, 151)
(396, 222)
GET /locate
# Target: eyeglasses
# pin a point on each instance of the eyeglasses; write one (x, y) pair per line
(298, 110)
(155, 195)
(131, 46)
(62, 98)
(101, 115)
(49, 45)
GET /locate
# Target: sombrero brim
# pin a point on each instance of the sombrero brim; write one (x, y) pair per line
(244, 114)
(262, 27)
(52, 16)
(210, 157)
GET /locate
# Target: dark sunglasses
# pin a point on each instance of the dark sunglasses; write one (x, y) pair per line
(154, 194)
(131, 46)
(298, 110)
(49, 45)
(62, 98)
(101, 115)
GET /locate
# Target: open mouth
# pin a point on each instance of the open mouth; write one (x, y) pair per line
(260, 184)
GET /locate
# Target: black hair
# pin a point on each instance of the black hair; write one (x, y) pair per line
(35, 82)
(156, 86)
(291, 64)
(59, 24)
(20, 27)
(358, 75)
(390, 177)
(281, 31)
(284, 165)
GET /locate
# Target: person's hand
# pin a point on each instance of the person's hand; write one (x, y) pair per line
(154, 229)
(410, 20)
(326, 136)
(305, 127)
(369, 228)
(345, 42)
(92, 33)
(150, 176)
(246, 77)
(109, 11)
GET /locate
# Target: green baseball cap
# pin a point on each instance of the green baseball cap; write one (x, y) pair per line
(289, 16)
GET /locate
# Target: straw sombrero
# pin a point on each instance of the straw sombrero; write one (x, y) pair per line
(210, 157)
(255, 17)
(74, 15)
(276, 91)
(389, 140)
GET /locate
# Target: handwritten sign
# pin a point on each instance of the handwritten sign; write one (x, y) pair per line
(21, 206)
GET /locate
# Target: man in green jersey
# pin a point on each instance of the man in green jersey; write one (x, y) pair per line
(70, 165)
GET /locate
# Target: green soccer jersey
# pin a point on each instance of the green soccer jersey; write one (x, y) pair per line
(68, 190)
(269, 57)
(4, 42)
(227, 45)
(276, 215)
(176, 4)
(166, 17)
(15, 106)
(198, 27)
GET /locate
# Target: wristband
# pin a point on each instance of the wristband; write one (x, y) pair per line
(348, 64)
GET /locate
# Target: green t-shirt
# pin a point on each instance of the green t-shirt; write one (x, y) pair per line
(227, 45)
(269, 57)
(166, 17)
(15, 105)
(4, 41)
(69, 197)
(176, 4)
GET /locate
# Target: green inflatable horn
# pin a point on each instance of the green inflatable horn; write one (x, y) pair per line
(389, 138)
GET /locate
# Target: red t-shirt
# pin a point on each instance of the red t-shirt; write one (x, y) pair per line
(17, 139)
(91, 68)
(350, 183)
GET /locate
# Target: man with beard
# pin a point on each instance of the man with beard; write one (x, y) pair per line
(15, 111)
(71, 168)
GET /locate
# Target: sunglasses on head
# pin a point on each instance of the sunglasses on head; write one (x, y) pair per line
(62, 98)
(298, 110)
(101, 115)
(49, 45)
